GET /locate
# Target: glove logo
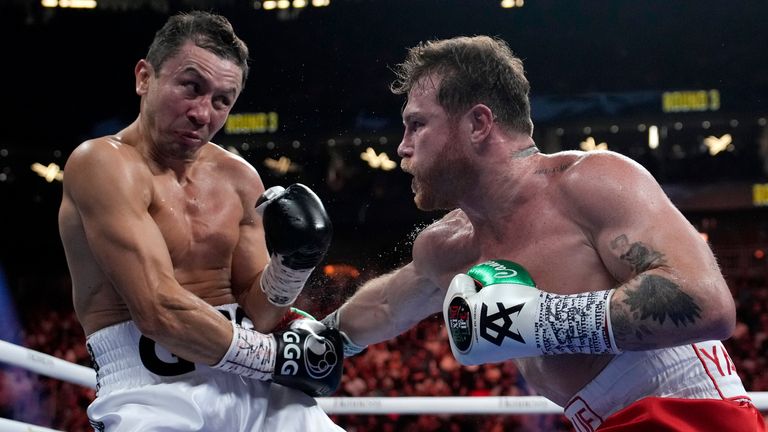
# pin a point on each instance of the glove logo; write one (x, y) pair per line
(291, 353)
(488, 322)
(460, 324)
(501, 271)
(321, 357)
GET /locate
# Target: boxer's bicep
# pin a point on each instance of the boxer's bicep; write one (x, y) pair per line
(670, 290)
(122, 236)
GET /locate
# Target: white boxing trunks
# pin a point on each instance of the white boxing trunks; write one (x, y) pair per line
(141, 386)
(700, 371)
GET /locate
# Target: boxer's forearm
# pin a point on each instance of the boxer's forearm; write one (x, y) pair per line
(657, 310)
(389, 305)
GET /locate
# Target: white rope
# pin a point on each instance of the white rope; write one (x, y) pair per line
(47, 365)
(440, 405)
(14, 426)
(51, 366)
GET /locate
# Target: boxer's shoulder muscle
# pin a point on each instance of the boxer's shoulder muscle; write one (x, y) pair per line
(103, 165)
(601, 170)
(602, 187)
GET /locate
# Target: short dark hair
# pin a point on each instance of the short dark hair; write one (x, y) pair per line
(208, 31)
(477, 69)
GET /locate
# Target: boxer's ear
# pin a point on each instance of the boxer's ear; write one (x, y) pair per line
(143, 71)
(481, 120)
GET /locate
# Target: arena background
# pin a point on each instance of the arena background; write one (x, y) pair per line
(679, 86)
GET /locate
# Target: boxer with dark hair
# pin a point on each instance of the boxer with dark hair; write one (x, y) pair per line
(576, 265)
(178, 278)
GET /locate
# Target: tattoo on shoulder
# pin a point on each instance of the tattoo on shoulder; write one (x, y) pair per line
(552, 170)
(639, 256)
(659, 298)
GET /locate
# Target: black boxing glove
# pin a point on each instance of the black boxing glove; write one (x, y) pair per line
(298, 234)
(308, 357)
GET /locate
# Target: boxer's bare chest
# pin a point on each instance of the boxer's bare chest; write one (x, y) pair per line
(199, 220)
(545, 239)
(561, 258)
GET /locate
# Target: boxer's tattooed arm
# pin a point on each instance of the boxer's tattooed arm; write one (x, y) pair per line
(657, 298)
(626, 331)
(649, 301)
(639, 256)
(645, 308)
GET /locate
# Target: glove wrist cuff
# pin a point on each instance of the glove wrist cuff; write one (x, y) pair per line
(281, 284)
(250, 354)
(350, 348)
(585, 327)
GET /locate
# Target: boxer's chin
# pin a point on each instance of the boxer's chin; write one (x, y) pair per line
(427, 200)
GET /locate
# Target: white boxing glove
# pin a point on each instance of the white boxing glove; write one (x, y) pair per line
(495, 313)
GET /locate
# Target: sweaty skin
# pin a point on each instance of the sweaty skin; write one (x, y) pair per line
(576, 221)
(158, 224)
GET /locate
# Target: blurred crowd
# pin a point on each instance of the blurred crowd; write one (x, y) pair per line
(39, 400)
(417, 363)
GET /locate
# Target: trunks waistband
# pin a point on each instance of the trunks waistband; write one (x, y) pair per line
(124, 358)
(697, 371)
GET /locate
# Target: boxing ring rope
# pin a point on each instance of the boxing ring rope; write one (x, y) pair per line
(54, 367)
